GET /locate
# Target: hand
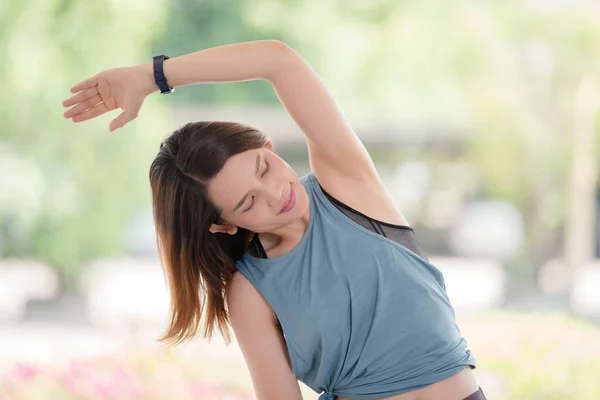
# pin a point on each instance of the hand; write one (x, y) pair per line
(125, 88)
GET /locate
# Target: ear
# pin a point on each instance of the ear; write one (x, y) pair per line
(229, 229)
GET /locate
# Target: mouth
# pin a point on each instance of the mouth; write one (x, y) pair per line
(290, 202)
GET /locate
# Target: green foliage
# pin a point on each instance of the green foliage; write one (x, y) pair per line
(504, 72)
(192, 26)
(67, 190)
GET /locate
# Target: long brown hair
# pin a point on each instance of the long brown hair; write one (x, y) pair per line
(198, 264)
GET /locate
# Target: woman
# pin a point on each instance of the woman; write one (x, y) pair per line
(320, 276)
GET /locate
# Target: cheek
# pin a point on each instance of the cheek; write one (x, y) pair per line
(262, 218)
(251, 220)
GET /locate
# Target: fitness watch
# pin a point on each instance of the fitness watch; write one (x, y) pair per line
(159, 75)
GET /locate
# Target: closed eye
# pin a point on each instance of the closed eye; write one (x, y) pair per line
(266, 168)
(251, 204)
(263, 174)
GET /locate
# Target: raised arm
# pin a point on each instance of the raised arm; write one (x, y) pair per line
(335, 151)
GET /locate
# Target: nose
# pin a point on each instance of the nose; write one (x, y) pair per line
(274, 192)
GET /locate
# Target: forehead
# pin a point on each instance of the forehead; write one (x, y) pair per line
(232, 182)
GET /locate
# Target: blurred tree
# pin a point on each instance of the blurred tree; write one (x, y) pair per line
(505, 72)
(524, 110)
(192, 26)
(66, 190)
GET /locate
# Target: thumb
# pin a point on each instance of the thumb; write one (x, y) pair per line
(130, 112)
(118, 122)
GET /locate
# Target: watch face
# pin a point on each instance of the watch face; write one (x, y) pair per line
(171, 90)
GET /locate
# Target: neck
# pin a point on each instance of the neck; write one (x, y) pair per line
(287, 237)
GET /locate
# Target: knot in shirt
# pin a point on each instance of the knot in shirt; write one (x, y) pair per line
(327, 396)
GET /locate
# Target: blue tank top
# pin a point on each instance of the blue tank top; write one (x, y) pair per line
(363, 317)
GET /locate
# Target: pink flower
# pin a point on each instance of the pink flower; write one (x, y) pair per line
(106, 388)
(122, 374)
(70, 380)
(24, 372)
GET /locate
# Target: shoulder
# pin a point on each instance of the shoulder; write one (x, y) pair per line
(261, 341)
(309, 179)
(245, 303)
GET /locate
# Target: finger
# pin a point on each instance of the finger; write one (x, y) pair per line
(88, 83)
(93, 112)
(80, 97)
(83, 106)
(118, 122)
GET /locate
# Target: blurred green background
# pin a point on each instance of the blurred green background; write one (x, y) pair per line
(498, 101)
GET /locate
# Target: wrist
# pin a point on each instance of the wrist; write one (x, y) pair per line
(146, 73)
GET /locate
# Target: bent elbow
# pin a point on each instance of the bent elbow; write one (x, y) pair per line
(282, 56)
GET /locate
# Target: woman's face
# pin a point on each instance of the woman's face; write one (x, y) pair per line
(258, 191)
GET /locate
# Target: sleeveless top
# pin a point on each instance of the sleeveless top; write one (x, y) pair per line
(405, 235)
(363, 317)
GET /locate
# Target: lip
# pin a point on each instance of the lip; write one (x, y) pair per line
(290, 202)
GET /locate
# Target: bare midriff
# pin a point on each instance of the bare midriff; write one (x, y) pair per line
(457, 387)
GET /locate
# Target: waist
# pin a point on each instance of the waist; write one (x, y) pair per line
(456, 387)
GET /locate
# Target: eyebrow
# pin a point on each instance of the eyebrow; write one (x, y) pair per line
(239, 204)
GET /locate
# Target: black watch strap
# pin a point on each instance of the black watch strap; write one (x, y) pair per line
(159, 75)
